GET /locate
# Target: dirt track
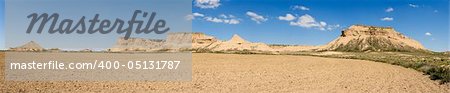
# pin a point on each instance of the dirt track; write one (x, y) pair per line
(261, 73)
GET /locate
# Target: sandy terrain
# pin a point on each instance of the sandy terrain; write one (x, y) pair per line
(260, 73)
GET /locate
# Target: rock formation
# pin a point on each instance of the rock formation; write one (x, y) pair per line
(187, 41)
(137, 44)
(238, 43)
(178, 40)
(371, 38)
(355, 38)
(202, 41)
(174, 41)
(30, 47)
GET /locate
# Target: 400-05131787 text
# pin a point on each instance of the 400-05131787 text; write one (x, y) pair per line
(55, 65)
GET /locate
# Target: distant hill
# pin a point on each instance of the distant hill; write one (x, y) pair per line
(371, 38)
(30, 46)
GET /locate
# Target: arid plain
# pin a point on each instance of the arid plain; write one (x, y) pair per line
(259, 73)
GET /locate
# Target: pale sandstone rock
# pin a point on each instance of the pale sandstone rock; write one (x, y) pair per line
(371, 38)
(30, 46)
(202, 41)
(178, 40)
(137, 44)
(238, 43)
(355, 38)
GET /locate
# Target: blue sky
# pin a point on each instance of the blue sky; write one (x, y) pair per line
(314, 22)
(317, 22)
(17, 22)
(2, 29)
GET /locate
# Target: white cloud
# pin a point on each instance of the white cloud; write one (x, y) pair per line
(288, 17)
(189, 17)
(387, 19)
(390, 9)
(198, 14)
(428, 34)
(226, 16)
(231, 16)
(207, 3)
(193, 16)
(223, 16)
(213, 19)
(301, 8)
(331, 27)
(234, 21)
(413, 5)
(307, 21)
(323, 23)
(255, 17)
(222, 20)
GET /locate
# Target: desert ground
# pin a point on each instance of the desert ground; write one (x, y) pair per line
(259, 73)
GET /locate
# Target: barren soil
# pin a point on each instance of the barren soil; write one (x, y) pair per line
(259, 73)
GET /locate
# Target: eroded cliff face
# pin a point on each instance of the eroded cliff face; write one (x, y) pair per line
(178, 41)
(137, 44)
(181, 41)
(371, 38)
(237, 43)
(203, 41)
(173, 42)
(355, 38)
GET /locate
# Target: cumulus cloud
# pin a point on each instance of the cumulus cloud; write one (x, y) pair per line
(226, 16)
(193, 16)
(207, 3)
(331, 27)
(413, 5)
(213, 19)
(428, 34)
(387, 19)
(299, 7)
(390, 9)
(255, 17)
(233, 21)
(223, 18)
(307, 21)
(189, 17)
(198, 14)
(288, 17)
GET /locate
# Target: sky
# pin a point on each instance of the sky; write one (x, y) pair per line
(313, 22)
(2, 29)
(317, 22)
(17, 21)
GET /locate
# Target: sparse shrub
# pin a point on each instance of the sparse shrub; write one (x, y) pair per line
(439, 73)
(424, 68)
